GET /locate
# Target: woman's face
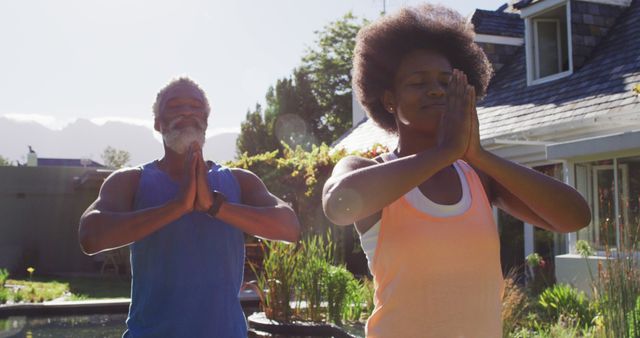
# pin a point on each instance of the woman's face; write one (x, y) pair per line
(418, 98)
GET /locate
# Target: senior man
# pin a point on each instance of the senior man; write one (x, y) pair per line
(184, 220)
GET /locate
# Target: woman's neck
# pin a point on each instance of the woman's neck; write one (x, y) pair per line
(412, 142)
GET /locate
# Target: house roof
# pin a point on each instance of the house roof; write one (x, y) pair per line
(67, 162)
(603, 86)
(602, 89)
(363, 136)
(497, 23)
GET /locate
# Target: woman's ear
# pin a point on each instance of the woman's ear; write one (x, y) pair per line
(388, 101)
(156, 125)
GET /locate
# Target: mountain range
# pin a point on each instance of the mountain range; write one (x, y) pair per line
(85, 139)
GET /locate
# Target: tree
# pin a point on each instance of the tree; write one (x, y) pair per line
(255, 136)
(313, 105)
(5, 162)
(115, 158)
(328, 66)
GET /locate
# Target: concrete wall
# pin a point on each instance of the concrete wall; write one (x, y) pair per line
(574, 270)
(39, 212)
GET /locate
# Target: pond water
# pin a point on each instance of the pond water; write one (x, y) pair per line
(94, 326)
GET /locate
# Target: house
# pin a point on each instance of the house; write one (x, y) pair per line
(565, 100)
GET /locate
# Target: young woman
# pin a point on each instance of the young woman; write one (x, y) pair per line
(423, 211)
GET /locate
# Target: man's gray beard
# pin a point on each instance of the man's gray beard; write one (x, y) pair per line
(179, 140)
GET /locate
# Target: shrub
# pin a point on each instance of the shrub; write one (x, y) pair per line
(4, 295)
(315, 257)
(276, 279)
(4, 274)
(338, 280)
(562, 301)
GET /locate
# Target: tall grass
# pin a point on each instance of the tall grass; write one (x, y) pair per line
(315, 257)
(305, 276)
(515, 303)
(276, 279)
(617, 286)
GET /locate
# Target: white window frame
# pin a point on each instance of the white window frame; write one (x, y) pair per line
(536, 52)
(529, 14)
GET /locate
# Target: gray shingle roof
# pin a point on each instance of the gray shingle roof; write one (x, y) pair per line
(602, 88)
(498, 23)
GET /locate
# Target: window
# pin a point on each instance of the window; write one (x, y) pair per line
(614, 202)
(548, 45)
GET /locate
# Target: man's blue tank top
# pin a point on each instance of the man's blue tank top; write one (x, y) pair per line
(187, 275)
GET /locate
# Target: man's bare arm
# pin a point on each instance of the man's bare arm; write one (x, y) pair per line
(261, 213)
(110, 222)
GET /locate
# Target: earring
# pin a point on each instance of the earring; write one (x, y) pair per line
(390, 108)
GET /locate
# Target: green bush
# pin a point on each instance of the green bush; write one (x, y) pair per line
(4, 295)
(358, 300)
(297, 177)
(315, 257)
(4, 274)
(338, 280)
(329, 292)
(563, 301)
(276, 279)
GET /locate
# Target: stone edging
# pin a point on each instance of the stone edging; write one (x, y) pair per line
(258, 321)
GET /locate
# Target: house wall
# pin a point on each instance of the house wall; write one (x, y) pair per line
(39, 213)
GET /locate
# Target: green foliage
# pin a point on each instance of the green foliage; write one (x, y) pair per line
(557, 330)
(617, 289)
(5, 162)
(534, 259)
(297, 176)
(563, 301)
(115, 158)
(537, 274)
(36, 292)
(329, 65)
(313, 105)
(323, 291)
(4, 295)
(17, 297)
(633, 320)
(4, 274)
(584, 249)
(338, 280)
(276, 279)
(75, 297)
(315, 258)
(255, 136)
(358, 300)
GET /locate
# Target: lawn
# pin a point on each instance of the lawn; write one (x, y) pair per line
(43, 288)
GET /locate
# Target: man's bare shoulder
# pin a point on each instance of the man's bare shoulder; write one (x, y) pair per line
(245, 177)
(124, 180)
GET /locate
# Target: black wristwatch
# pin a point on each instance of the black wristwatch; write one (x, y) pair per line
(218, 199)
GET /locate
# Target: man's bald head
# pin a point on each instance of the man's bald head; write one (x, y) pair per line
(180, 88)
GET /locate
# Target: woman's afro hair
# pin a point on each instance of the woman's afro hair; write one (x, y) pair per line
(381, 45)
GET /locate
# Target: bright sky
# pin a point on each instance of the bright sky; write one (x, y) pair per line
(106, 60)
